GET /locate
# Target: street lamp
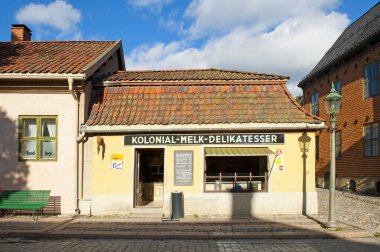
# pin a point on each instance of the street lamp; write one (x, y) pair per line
(333, 102)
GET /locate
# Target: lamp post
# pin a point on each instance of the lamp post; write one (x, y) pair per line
(332, 102)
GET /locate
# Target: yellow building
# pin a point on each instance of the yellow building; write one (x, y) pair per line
(235, 143)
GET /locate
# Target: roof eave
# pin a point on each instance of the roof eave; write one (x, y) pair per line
(91, 67)
(201, 127)
(40, 76)
(342, 58)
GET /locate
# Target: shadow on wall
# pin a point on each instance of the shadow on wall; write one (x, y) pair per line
(242, 202)
(13, 174)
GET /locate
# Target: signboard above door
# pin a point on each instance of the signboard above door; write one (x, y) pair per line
(182, 139)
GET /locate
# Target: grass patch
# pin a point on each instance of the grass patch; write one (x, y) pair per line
(196, 216)
(377, 234)
(335, 229)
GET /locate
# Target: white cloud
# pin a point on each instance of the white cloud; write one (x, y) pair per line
(279, 39)
(259, 15)
(152, 5)
(56, 16)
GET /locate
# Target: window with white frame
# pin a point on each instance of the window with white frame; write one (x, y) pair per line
(315, 104)
(38, 137)
(371, 140)
(371, 76)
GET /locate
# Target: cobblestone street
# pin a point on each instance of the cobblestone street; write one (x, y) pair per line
(310, 245)
(351, 209)
(360, 210)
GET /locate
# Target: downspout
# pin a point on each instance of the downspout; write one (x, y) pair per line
(76, 96)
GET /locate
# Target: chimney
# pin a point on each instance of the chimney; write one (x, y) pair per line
(20, 32)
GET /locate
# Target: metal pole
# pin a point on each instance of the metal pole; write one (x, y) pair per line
(331, 221)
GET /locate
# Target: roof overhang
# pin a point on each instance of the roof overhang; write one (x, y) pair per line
(40, 76)
(201, 127)
(90, 68)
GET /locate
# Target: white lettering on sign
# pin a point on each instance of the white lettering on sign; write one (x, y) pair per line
(222, 138)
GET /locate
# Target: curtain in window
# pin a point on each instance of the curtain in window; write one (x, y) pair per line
(30, 127)
(48, 127)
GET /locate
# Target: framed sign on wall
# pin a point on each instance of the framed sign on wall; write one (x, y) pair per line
(183, 168)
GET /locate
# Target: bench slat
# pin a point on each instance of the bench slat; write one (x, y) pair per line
(24, 200)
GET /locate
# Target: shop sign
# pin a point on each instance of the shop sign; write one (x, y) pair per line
(175, 139)
(279, 164)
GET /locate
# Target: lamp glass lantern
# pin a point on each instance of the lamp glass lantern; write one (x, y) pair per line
(333, 102)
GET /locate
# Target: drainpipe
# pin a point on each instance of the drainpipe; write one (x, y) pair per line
(76, 96)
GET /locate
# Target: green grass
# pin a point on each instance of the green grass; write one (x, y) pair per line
(376, 234)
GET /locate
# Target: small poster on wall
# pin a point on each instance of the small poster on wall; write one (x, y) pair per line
(117, 162)
(279, 164)
(183, 168)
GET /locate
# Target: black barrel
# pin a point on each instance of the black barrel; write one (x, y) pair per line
(177, 205)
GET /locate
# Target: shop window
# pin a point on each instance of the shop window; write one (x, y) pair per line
(315, 104)
(371, 140)
(38, 137)
(236, 174)
(371, 75)
(338, 144)
(317, 148)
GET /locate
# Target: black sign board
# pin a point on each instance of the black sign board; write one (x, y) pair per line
(183, 168)
(175, 139)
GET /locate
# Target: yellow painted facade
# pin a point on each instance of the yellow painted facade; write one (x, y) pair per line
(298, 173)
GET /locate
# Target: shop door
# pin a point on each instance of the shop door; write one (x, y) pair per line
(149, 178)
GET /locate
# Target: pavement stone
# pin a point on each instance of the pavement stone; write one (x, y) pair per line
(359, 210)
(266, 245)
(259, 227)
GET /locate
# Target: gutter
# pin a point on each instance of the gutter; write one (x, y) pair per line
(125, 129)
(41, 76)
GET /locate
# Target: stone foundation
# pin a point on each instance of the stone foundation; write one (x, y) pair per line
(366, 185)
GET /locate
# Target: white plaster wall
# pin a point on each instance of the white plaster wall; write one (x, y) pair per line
(218, 204)
(231, 204)
(58, 176)
(106, 204)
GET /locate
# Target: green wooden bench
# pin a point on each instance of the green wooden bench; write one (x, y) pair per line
(33, 200)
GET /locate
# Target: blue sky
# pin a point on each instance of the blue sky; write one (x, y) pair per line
(286, 37)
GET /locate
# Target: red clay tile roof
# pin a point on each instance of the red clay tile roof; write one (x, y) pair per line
(154, 104)
(190, 75)
(60, 57)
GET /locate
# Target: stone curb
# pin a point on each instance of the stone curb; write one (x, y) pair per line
(186, 235)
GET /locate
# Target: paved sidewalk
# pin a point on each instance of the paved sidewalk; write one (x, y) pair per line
(266, 227)
(359, 210)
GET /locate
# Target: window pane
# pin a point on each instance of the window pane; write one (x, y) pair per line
(375, 74)
(375, 132)
(29, 149)
(29, 127)
(367, 132)
(48, 150)
(367, 150)
(375, 148)
(48, 127)
(339, 87)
